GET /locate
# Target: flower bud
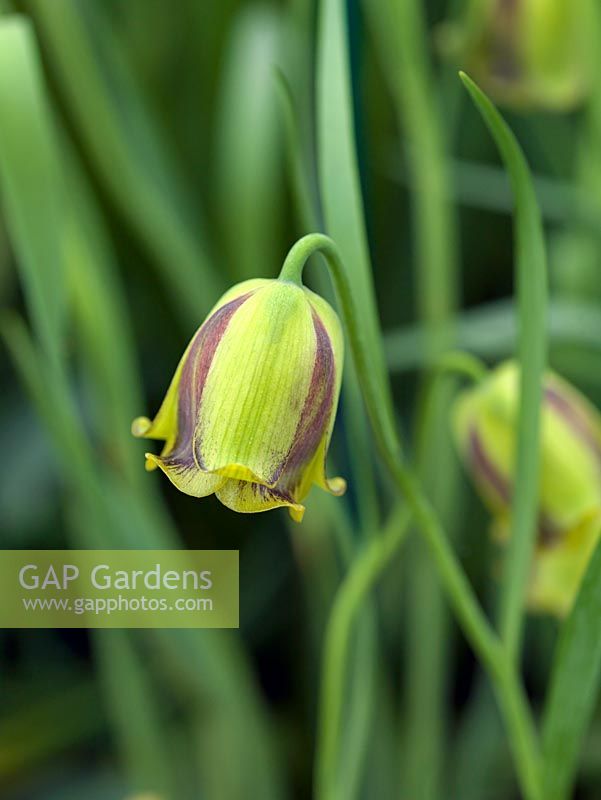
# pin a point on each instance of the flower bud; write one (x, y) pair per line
(527, 53)
(485, 420)
(250, 410)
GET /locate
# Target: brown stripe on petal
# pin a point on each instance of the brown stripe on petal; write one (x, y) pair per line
(575, 418)
(272, 493)
(549, 534)
(247, 497)
(194, 376)
(316, 411)
(485, 471)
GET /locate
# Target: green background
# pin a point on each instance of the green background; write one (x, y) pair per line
(152, 154)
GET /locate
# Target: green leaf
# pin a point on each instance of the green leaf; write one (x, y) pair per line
(342, 206)
(127, 148)
(136, 711)
(485, 186)
(305, 200)
(402, 44)
(343, 213)
(489, 331)
(30, 181)
(106, 345)
(400, 33)
(339, 179)
(531, 285)
(574, 685)
(248, 146)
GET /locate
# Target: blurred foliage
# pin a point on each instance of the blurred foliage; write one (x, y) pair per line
(149, 157)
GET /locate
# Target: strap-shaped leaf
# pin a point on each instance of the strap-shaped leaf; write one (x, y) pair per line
(339, 180)
(248, 174)
(531, 285)
(127, 148)
(30, 180)
(574, 685)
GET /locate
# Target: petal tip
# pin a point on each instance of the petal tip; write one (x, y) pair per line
(152, 462)
(297, 512)
(140, 426)
(337, 486)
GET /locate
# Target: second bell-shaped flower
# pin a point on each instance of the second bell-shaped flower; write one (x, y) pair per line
(250, 409)
(527, 54)
(569, 513)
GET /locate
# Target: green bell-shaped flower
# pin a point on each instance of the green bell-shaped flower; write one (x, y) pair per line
(569, 519)
(250, 410)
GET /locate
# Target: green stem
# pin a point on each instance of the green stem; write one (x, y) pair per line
(457, 363)
(469, 612)
(478, 631)
(361, 578)
(467, 609)
(354, 590)
(373, 384)
(464, 365)
(523, 737)
(426, 674)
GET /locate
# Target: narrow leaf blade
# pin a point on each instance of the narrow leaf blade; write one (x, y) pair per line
(574, 685)
(30, 178)
(531, 284)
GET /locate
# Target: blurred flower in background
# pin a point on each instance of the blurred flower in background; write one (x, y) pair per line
(250, 410)
(526, 53)
(569, 520)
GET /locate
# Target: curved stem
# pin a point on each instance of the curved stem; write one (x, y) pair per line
(426, 678)
(361, 578)
(355, 588)
(523, 737)
(503, 674)
(464, 365)
(466, 606)
(456, 363)
(373, 385)
(475, 626)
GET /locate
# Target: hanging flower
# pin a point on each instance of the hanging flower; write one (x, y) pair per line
(527, 53)
(569, 518)
(250, 409)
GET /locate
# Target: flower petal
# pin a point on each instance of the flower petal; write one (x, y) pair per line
(187, 477)
(306, 461)
(240, 289)
(176, 418)
(570, 475)
(558, 570)
(316, 473)
(486, 445)
(250, 498)
(256, 388)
